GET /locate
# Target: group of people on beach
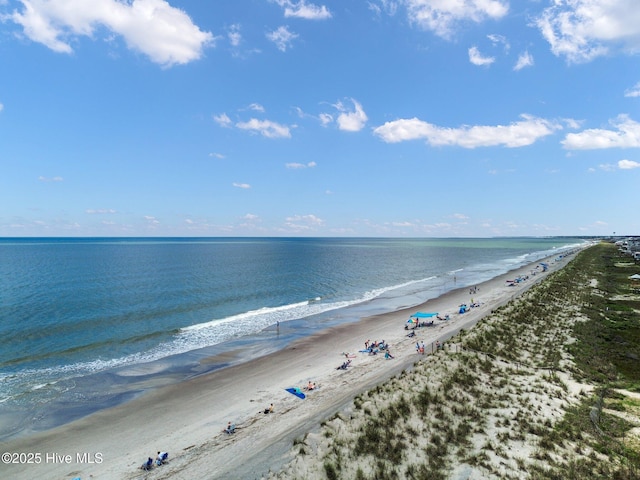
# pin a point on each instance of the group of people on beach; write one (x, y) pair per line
(161, 459)
(371, 348)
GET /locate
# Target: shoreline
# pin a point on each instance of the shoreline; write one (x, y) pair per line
(187, 419)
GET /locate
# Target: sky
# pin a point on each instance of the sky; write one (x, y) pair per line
(378, 118)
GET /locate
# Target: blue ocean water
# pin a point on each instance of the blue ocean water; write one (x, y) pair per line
(88, 323)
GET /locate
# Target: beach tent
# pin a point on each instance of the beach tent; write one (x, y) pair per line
(415, 318)
(635, 276)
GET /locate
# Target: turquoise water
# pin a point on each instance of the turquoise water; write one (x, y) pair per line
(88, 323)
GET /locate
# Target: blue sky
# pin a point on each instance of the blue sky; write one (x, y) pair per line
(306, 118)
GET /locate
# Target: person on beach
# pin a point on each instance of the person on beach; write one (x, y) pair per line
(388, 355)
(148, 464)
(311, 385)
(231, 428)
(269, 409)
(162, 458)
(344, 365)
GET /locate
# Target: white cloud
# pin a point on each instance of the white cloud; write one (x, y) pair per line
(223, 120)
(390, 7)
(1, 107)
(302, 9)
(476, 57)
(441, 16)
(100, 211)
(216, 155)
(256, 107)
(325, 119)
(50, 179)
(282, 37)
(234, 35)
(499, 40)
(524, 60)
(628, 164)
(300, 223)
(581, 30)
(164, 33)
(300, 165)
(266, 128)
(630, 92)
(517, 134)
(625, 135)
(351, 121)
(151, 220)
(241, 185)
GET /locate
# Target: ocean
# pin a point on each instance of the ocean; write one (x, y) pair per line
(89, 323)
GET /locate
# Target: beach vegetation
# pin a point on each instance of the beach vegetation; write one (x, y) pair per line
(542, 374)
(330, 471)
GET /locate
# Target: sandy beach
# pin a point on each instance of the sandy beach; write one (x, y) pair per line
(187, 419)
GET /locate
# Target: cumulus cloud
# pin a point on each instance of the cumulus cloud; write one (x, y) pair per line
(153, 27)
(223, 120)
(630, 92)
(302, 9)
(626, 134)
(266, 128)
(282, 38)
(518, 134)
(441, 17)
(581, 30)
(476, 57)
(325, 119)
(301, 223)
(351, 121)
(524, 60)
(628, 164)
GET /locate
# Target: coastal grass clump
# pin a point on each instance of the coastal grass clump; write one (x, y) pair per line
(536, 390)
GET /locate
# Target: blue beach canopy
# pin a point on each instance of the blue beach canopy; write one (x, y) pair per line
(421, 315)
(424, 315)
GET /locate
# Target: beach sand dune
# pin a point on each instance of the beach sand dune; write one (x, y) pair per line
(188, 419)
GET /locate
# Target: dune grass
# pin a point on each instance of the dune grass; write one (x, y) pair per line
(533, 391)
